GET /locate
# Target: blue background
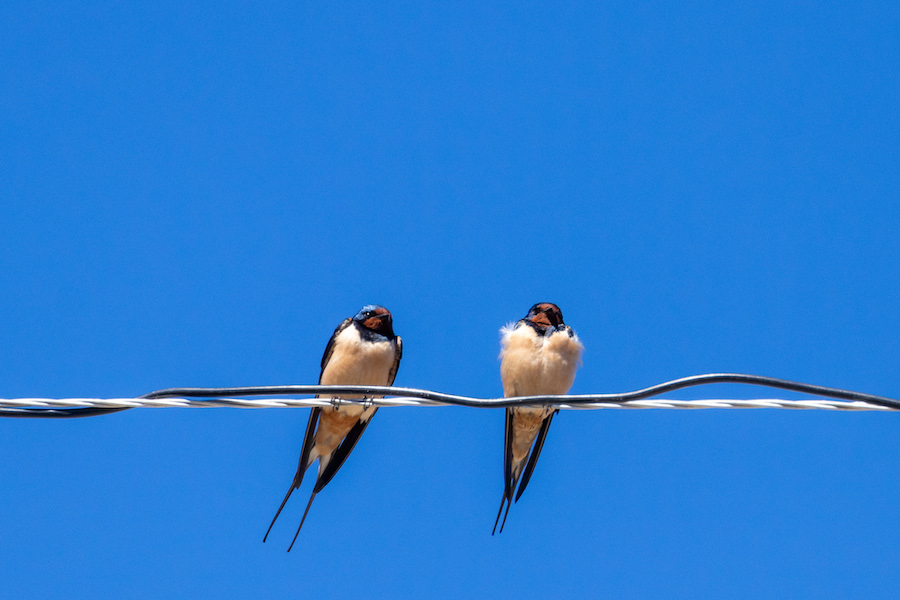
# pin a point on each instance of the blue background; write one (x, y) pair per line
(196, 194)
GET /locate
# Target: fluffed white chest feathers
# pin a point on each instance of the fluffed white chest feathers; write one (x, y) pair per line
(533, 364)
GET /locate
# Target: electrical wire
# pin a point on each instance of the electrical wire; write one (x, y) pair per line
(211, 397)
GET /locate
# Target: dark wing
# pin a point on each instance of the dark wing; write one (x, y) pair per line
(342, 452)
(535, 453)
(398, 345)
(308, 441)
(508, 483)
(330, 347)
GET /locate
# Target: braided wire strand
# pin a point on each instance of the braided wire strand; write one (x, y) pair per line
(241, 397)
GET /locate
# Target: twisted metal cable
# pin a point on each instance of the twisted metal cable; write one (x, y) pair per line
(232, 397)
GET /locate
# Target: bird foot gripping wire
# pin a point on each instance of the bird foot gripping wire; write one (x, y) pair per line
(365, 402)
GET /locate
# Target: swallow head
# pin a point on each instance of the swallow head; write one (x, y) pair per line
(376, 318)
(545, 317)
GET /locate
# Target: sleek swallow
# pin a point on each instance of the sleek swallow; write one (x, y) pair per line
(539, 356)
(362, 351)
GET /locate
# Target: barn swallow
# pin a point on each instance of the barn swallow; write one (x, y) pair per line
(363, 350)
(539, 356)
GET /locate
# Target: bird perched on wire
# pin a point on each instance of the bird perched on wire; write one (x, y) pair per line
(539, 355)
(363, 350)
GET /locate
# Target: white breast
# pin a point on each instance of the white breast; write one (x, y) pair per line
(532, 364)
(355, 361)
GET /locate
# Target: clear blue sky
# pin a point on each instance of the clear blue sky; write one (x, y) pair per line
(195, 194)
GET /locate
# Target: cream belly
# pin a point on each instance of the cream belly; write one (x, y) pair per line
(534, 365)
(335, 424)
(526, 424)
(353, 362)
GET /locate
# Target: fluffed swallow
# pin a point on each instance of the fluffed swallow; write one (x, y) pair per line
(539, 356)
(363, 350)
